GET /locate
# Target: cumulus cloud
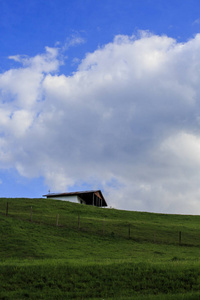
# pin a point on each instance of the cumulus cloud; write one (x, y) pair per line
(127, 121)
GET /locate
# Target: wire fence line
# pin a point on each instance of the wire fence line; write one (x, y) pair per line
(135, 231)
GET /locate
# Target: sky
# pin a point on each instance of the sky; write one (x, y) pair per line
(102, 94)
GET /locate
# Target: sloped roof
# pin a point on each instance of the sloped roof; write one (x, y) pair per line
(87, 196)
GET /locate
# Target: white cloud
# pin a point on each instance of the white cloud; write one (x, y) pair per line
(46, 62)
(196, 22)
(73, 41)
(128, 119)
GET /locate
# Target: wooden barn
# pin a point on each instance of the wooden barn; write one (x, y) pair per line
(94, 198)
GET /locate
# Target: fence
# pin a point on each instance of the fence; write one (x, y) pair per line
(136, 230)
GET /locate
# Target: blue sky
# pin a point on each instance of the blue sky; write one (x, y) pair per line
(102, 95)
(26, 27)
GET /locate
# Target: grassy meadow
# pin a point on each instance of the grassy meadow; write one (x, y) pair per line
(51, 249)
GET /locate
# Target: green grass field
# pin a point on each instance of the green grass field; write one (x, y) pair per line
(52, 249)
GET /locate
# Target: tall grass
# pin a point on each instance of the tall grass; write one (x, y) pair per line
(51, 281)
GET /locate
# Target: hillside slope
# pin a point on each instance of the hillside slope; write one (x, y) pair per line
(52, 249)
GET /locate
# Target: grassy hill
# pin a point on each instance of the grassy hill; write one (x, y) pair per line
(52, 249)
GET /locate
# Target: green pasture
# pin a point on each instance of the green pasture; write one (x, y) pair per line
(52, 249)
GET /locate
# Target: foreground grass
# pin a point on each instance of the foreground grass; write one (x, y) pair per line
(96, 259)
(60, 280)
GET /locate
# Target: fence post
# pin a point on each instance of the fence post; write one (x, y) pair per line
(7, 209)
(31, 213)
(57, 219)
(78, 221)
(104, 226)
(179, 237)
(129, 231)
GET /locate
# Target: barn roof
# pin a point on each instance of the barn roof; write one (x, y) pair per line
(87, 196)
